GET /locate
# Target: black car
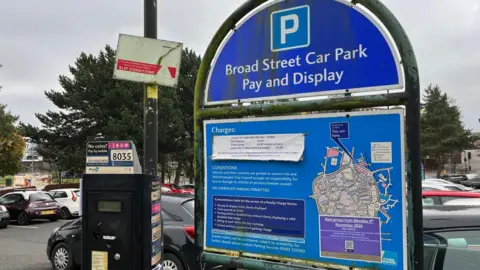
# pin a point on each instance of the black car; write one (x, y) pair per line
(455, 178)
(473, 183)
(451, 237)
(180, 252)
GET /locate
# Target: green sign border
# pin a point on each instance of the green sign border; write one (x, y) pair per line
(410, 98)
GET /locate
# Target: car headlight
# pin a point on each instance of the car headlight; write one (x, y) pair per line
(54, 231)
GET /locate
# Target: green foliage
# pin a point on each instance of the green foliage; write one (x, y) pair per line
(11, 143)
(94, 106)
(442, 130)
(185, 92)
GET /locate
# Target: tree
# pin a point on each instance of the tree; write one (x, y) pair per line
(442, 130)
(185, 93)
(91, 106)
(11, 144)
(94, 106)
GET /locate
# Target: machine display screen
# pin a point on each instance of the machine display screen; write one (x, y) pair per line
(109, 206)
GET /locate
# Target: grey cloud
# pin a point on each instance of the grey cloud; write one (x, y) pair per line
(446, 38)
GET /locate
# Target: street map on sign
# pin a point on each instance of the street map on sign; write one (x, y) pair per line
(353, 199)
(348, 187)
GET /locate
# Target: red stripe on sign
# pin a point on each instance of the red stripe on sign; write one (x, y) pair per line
(137, 67)
(173, 72)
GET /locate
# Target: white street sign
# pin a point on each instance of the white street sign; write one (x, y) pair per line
(147, 60)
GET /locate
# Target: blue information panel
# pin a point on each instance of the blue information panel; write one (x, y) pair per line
(303, 48)
(341, 202)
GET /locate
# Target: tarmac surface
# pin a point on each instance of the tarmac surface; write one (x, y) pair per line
(23, 247)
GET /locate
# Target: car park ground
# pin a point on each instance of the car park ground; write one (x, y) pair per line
(23, 247)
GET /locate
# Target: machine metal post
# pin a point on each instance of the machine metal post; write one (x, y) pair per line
(150, 109)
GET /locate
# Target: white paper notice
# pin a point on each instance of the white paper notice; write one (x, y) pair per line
(264, 147)
(381, 152)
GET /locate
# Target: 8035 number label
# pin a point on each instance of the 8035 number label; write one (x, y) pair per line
(121, 155)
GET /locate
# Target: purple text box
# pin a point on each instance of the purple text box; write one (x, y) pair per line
(350, 237)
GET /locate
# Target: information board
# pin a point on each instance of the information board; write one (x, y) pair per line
(113, 157)
(342, 202)
(287, 49)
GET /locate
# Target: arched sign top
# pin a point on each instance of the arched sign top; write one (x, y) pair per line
(291, 49)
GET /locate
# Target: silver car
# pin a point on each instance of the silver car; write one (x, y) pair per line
(4, 217)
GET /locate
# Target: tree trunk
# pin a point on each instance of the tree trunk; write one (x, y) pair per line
(191, 173)
(163, 164)
(178, 172)
(439, 167)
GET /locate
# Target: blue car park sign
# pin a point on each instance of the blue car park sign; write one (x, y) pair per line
(303, 182)
(291, 49)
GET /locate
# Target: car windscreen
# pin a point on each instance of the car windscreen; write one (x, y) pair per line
(456, 249)
(77, 193)
(40, 197)
(175, 186)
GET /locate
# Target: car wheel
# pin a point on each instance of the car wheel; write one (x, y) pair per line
(171, 262)
(61, 258)
(65, 213)
(23, 219)
(4, 226)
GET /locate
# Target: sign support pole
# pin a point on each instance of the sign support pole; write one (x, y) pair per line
(150, 108)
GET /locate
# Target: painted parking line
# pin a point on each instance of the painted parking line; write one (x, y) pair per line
(23, 227)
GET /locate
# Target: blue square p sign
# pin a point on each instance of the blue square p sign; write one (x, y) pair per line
(290, 28)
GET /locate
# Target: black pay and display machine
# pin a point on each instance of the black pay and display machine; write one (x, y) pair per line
(121, 222)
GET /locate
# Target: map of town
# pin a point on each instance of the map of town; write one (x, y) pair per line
(348, 187)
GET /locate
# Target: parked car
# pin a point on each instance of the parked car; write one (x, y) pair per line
(68, 200)
(455, 178)
(464, 202)
(4, 217)
(435, 180)
(432, 186)
(188, 189)
(178, 189)
(441, 197)
(180, 251)
(447, 184)
(25, 206)
(472, 176)
(451, 237)
(474, 183)
(166, 190)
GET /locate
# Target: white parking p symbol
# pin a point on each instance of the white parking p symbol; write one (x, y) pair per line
(290, 28)
(284, 31)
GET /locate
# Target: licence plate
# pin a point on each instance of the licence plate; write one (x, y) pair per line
(51, 212)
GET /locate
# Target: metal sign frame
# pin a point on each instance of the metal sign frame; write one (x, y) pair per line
(409, 98)
(399, 85)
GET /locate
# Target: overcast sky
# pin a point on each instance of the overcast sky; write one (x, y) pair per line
(39, 39)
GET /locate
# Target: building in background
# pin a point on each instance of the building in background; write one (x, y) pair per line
(32, 162)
